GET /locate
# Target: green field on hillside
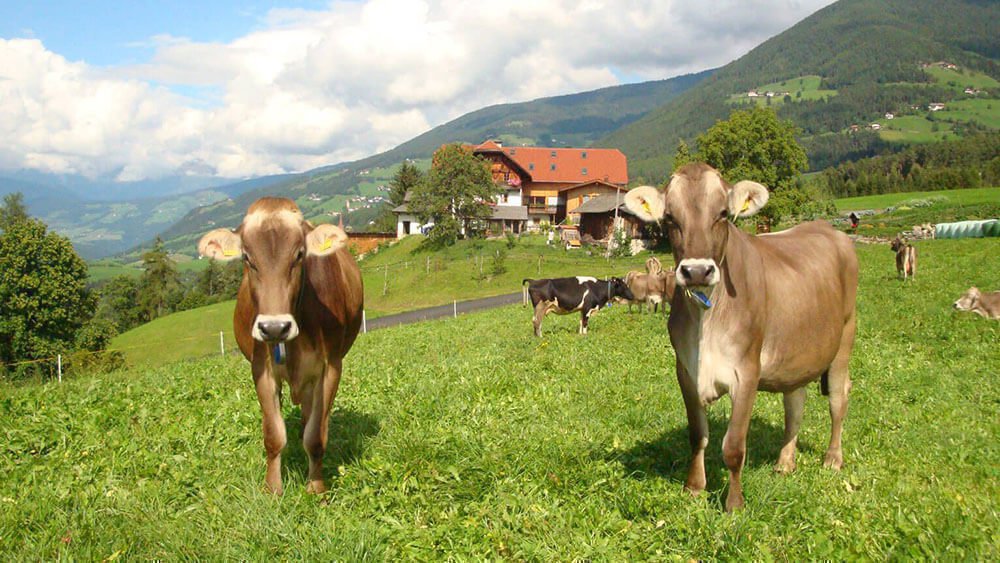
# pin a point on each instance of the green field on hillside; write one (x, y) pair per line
(954, 197)
(470, 439)
(915, 129)
(985, 111)
(410, 280)
(800, 89)
(961, 79)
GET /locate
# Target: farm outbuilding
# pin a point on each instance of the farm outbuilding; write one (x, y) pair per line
(597, 217)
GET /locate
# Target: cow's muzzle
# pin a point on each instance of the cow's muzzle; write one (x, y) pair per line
(697, 272)
(274, 328)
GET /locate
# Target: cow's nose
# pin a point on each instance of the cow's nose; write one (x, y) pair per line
(697, 274)
(274, 330)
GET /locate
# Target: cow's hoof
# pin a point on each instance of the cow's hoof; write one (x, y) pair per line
(833, 460)
(694, 488)
(275, 490)
(784, 467)
(316, 487)
(734, 503)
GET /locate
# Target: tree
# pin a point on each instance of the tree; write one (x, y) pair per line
(406, 178)
(13, 210)
(159, 281)
(120, 302)
(43, 292)
(454, 194)
(682, 155)
(755, 145)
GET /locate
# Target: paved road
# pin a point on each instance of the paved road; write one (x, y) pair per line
(443, 311)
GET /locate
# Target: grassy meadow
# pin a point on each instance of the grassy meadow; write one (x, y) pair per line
(398, 278)
(469, 438)
(916, 208)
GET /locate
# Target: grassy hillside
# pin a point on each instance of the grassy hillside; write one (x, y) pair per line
(398, 278)
(944, 197)
(571, 120)
(469, 438)
(869, 51)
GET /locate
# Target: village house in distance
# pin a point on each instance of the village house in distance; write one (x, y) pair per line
(543, 185)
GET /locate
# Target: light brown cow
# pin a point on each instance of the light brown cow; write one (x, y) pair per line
(297, 314)
(983, 304)
(651, 290)
(906, 258)
(770, 312)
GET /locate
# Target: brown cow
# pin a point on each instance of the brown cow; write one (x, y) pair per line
(983, 304)
(906, 257)
(297, 314)
(651, 290)
(770, 312)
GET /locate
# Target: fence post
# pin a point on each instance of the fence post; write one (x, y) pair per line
(455, 306)
(59, 366)
(385, 283)
(364, 322)
(222, 344)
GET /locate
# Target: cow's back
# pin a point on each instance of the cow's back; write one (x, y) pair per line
(810, 274)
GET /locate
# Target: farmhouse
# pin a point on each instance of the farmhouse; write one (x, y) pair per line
(890, 115)
(541, 184)
(875, 126)
(933, 106)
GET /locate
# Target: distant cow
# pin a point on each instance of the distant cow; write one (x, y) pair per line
(651, 290)
(983, 304)
(297, 314)
(653, 265)
(906, 257)
(568, 295)
(772, 312)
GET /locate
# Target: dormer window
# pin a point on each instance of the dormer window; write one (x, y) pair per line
(583, 155)
(553, 154)
(552, 167)
(531, 166)
(583, 172)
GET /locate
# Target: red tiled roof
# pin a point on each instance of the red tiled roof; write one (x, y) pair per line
(577, 165)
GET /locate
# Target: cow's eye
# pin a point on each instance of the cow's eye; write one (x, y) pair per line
(668, 219)
(248, 262)
(724, 215)
(299, 255)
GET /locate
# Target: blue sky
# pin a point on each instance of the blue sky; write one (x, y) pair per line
(104, 33)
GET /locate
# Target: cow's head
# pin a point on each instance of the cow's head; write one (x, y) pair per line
(968, 300)
(274, 242)
(620, 289)
(696, 207)
(897, 243)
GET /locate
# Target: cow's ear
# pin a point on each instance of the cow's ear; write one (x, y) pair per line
(746, 198)
(221, 244)
(646, 202)
(325, 239)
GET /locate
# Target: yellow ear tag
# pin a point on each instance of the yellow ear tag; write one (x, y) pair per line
(326, 244)
(645, 205)
(746, 205)
(228, 252)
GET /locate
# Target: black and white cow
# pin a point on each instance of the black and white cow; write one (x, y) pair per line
(568, 295)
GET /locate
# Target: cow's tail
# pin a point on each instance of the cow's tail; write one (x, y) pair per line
(824, 383)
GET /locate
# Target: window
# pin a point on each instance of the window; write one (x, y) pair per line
(553, 154)
(583, 172)
(552, 167)
(531, 166)
(513, 152)
(583, 154)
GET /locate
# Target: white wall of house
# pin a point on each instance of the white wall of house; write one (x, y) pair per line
(407, 224)
(510, 197)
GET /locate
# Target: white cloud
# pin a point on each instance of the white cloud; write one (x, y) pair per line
(316, 87)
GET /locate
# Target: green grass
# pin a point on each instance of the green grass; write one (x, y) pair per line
(960, 80)
(955, 197)
(453, 274)
(469, 439)
(801, 88)
(985, 111)
(915, 129)
(188, 334)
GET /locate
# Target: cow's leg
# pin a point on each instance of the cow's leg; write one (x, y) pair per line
(317, 427)
(268, 394)
(734, 444)
(795, 402)
(541, 309)
(697, 431)
(839, 384)
(585, 314)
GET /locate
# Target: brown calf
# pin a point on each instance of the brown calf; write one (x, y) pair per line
(297, 314)
(771, 312)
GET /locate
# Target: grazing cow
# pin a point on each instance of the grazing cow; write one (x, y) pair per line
(906, 257)
(983, 304)
(770, 312)
(568, 295)
(297, 314)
